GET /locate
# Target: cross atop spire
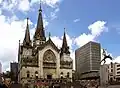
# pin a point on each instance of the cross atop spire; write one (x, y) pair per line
(40, 7)
(27, 40)
(64, 30)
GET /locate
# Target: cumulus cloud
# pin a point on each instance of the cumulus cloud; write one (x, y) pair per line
(24, 5)
(45, 22)
(53, 14)
(76, 20)
(51, 3)
(10, 32)
(95, 30)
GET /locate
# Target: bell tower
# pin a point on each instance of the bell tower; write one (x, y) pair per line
(39, 36)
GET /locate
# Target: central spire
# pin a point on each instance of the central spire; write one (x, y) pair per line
(27, 40)
(39, 33)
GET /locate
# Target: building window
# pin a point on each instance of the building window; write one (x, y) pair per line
(36, 74)
(118, 72)
(118, 65)
(28, 74)
(61, 75)
(68, 74)
(118, 68)
(111, 70)
(111, 65)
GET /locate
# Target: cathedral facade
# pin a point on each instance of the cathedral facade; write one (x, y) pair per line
(41, 58)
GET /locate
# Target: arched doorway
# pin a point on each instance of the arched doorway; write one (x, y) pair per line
(49, 76)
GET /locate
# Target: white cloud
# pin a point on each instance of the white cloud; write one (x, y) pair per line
(51, 3)
(76, 20)
(45, 22)
(10, 33)
(24, 5)
(9, 4)
(57, 9)
(95, 30)
(1, 1)
(57, 41)
(0, 11)
(83, 39)
(117, 59)
(53, 14)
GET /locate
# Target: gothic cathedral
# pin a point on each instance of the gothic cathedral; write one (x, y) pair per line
(42, 59)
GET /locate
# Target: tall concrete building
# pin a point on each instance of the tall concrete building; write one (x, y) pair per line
(114, 71)
(87, 59)
(104, 77)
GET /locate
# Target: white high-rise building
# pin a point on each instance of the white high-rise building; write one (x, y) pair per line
(114, 71)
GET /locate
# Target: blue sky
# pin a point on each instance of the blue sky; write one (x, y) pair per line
(84, 20)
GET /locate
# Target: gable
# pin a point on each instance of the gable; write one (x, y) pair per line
(50, 43)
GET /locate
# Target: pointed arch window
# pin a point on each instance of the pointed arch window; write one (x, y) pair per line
(61, 75)
(68, 74)
(28, 74)
(49, 56)
(36, 74)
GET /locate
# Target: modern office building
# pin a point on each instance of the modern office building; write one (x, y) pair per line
(87, 59)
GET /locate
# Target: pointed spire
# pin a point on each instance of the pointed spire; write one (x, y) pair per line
(27, 40)
(19, 42)
(39, 33)
(64, 40)
(65, 48)
(40, 7)
(49, 35)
